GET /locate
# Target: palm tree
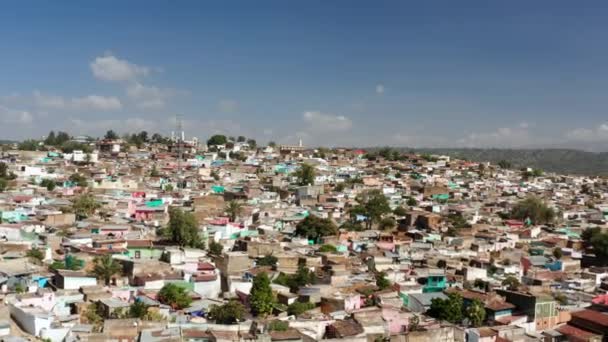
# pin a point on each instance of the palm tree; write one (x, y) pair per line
(233, 209)
(105, 267)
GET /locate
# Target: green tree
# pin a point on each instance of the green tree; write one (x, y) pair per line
(19, 288)
(217, 139)
(28, 145)
(381, 281)
(277, 325)
(261, 297)
(154, 172)
(449, 309)
(252, 143)
(400, 211)
(174, 295)
(442, 264)
(138, 309)
(71, 146)
(589, 233)
(91, 316)
(62, 138)
(79, 180)
(373, 204)
(111, 135)
(234, 210)
(457, 221)
(35, 253)
(272, 144)
(241, 138)
(85, 205)
(480, 284)
(535, 209)
(387, 223)
(215, 248)
(314, 228)
(511, 283)
(504, 164)
(157, 138)
(183, 229)
(3, 184)
(561, 298)
(558, 253)
(105, 267)
(476, 313)
(229, 313)
(414, 322)
(328, 249)
(50, 139)
(4, 170)
(352, 226)
(267, 260)
(143, 136)
(305, 174)
(411, 201)
(301, 278)
(599, 242)
(298, 308)
(49, 184)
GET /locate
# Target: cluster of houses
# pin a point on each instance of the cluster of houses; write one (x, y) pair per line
(448, 233)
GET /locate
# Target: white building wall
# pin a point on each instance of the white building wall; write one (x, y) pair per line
(55, 335)
(155, 284)
(11, 234)
(30, 323)
(75, 283)
(209, 289)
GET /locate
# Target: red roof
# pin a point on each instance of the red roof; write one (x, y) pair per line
(592, 316)
(514, 223)
(601, 299)
(22, 198)
(574, 333)
(205, 266)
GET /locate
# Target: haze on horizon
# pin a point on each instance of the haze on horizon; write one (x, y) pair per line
(515, 74)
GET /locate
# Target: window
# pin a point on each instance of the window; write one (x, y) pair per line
(137, 254)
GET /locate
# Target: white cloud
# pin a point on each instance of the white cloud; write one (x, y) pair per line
(407, 139)
(380, 89)
(319, 121)
(90, 102)
(49, 101)
(110, 68)
(148, 97)
(97, 102)
(228, 106)
(128, 125)
(502, 137)
(597, 134)
(13, 116)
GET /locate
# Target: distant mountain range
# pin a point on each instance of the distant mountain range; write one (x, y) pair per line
(554, 160)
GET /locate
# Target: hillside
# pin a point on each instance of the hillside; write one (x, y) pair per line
(555, 160)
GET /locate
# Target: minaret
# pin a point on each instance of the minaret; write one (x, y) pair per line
(300, 142)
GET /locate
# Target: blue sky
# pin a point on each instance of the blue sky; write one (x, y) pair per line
(432, 73)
